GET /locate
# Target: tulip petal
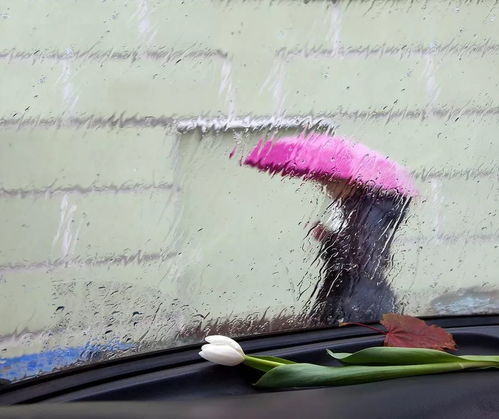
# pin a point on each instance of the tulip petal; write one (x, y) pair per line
(221, 354)
(224, 340)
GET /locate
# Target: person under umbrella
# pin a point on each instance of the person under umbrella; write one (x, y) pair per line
(373, 194)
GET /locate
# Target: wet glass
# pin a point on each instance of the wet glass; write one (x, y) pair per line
(130, 221)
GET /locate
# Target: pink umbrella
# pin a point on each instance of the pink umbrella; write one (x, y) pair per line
(326, 158)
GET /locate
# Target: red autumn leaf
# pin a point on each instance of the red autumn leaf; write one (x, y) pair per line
(410, 332)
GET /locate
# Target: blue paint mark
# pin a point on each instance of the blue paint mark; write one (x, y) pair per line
(32, 365)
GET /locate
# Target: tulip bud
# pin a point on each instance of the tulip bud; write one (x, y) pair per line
(222, 350)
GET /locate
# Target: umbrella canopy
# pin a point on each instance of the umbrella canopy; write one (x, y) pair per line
(324, 157)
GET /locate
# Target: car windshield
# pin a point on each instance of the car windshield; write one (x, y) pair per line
(170, 170)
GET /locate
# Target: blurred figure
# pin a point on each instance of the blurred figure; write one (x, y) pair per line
(354, 286)
(373, 193)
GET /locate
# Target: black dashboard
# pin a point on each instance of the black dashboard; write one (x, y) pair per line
(178, 384)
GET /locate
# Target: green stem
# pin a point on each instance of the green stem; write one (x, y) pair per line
(481, 358)
(260, 364)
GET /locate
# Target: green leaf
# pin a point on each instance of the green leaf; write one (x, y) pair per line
(383, 355)
(309, 375)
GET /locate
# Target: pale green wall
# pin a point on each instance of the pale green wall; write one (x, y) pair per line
(107, 210)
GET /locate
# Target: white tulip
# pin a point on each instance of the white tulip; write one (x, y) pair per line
(222, 350)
